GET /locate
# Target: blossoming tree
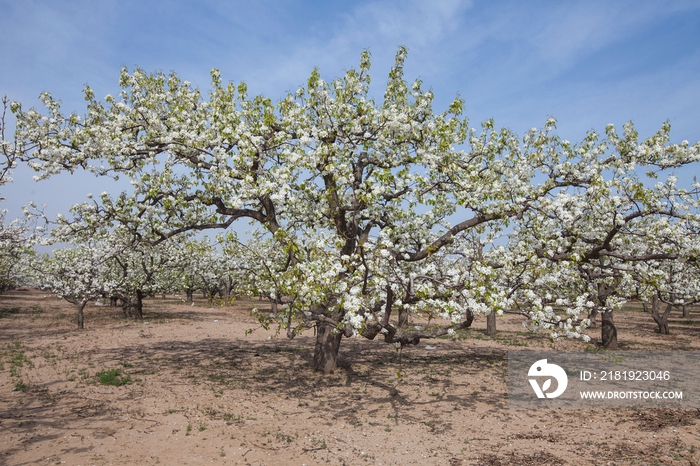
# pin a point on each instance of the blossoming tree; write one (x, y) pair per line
(78, 274)
(199, 266)
(15, 245)
(606, 237)
(370, 209)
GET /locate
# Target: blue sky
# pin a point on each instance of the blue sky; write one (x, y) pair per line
(586, 63)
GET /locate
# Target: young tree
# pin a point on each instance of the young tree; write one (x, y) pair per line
(77, 274)
(141, 270)
(197, 265)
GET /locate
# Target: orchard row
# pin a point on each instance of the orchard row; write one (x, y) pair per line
(365, 212)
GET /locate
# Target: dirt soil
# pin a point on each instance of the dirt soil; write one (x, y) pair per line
(191, 387)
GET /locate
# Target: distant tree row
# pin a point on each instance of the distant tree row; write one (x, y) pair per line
(123, 273)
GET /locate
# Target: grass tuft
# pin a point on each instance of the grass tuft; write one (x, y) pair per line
(113, 377)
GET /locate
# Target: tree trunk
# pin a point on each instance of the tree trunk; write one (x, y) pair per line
(470, 318)
(138, 306)
(403, 317)
(326, 350)
(663, 328)
(608, 331)
(190, 295)
(686, 311)
(126, 306)
(491, 323)
(226, 291)
(660, 319)
(81, 315)
(113, 301)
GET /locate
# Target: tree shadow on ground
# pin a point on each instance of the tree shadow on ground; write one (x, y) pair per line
(366, 379)
(367, 374)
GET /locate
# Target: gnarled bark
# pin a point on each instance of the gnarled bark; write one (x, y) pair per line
(608, 331)
(327, 347)
(660, 319)
(133, 306)
(469, 320)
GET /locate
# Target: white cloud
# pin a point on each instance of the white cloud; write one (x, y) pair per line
(378, 26)
(571, 30)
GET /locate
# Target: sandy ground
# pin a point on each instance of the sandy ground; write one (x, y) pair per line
(201, 391)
